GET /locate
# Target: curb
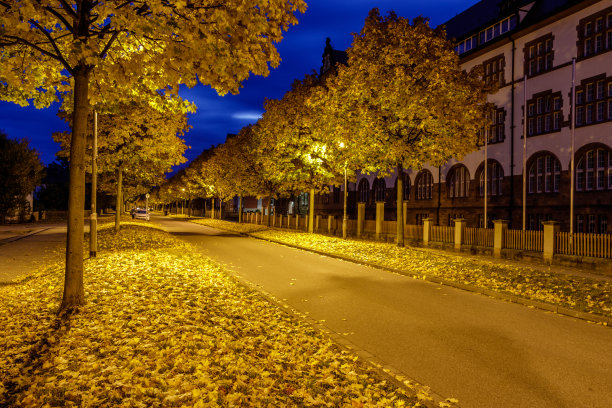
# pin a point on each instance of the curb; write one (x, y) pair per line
(561, 310)
(18, 237)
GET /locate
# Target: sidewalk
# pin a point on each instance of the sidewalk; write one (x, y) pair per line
(24, 247)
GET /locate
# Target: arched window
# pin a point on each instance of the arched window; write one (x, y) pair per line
(544, 174)
(594, 170)
(495, 177)
(406, 187)
(379, 189)
(458, 182)
(424, 185)
(363, 191)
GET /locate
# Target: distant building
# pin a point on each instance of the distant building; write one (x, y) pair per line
(514, 39)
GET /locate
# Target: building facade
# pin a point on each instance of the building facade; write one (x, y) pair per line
(530, 49)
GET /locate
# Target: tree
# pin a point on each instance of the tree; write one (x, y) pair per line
(292, 153)
(53, 194)
(403, 100)
(137, 145)
(20, 172)
(54, 47)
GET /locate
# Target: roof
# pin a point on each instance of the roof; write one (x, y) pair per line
(486, 12)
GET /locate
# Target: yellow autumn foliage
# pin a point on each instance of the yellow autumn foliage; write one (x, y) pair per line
(165, 326)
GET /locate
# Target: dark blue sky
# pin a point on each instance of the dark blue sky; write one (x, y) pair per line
(301, 52)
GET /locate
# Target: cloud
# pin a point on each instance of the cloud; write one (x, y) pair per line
(246, 115)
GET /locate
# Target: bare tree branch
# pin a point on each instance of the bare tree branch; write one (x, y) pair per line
(109, 43)
(59, 56)
(60, 17)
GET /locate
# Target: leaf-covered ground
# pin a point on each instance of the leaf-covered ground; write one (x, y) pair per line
(244, 228)
(575, 292)
(166, 327)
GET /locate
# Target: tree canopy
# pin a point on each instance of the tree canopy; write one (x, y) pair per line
(52, 48)
(403, 100)
(20, 172)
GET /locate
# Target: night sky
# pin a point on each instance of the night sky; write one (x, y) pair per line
(301, 53)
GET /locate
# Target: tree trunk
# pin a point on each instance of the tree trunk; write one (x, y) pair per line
(74, 292)
(240, 210)
(119, 199)
(400, 206)
(311, 195)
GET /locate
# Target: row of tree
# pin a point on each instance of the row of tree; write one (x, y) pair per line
(400, 102)
(104, 55)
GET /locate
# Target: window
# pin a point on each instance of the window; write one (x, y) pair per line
(497, 29)
(591, 224)
(594, 100)
(424, 185)
(325, 196)
(594, 170)
(363, 191)
(379, 189)
(595, 34)
(579, 223)
(544, 113)
(497, 118)
(494, 70)
(467, 45)
(458, 182)
(406, 187)
(495, 177)
(544, 175)
(603, 224)
(539, 55)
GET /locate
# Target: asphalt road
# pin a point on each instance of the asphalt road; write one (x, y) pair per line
(482, 351)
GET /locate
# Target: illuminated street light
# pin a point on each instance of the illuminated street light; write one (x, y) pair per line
(183, 207)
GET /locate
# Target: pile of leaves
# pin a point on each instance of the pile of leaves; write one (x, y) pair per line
(575, 292)
(244, 228)
(166, 327)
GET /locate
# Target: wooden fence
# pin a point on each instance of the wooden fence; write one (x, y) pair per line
(529, 240)
(590, 245)
(595, 245)
(443, 234)
(478, 236)
(412, 231)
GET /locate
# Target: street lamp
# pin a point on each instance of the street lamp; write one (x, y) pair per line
(183, 207)
(344, 216)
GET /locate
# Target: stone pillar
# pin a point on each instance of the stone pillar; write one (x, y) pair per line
(499, 233)
(360, 218)
(550, 234)
(427, 230)
(274, 220)
(380, 217)
(331, 224)
(459, 227)
(297, 222)
(317, 223)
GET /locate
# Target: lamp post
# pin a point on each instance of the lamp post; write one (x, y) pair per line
(183, 207)
(344, 216)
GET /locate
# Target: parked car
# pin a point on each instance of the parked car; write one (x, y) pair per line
(141, 215)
